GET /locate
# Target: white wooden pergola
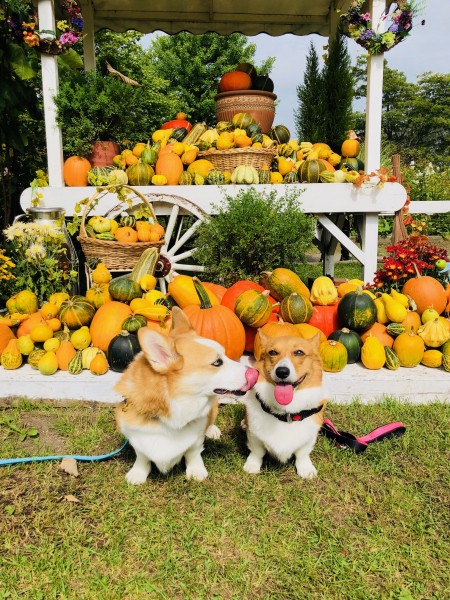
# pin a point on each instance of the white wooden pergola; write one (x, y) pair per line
(299, 17)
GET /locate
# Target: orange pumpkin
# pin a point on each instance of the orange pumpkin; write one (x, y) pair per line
(379, 331)
(5, 336)
(64, 353)
(412, 319)
(33, 320)
(126, 235)
(107, 323)
(164, 327)
(350, 148)
(75, 171)
(274, 329)
(427, 292)
(99, 364)
(215, 288)
(171, 166)
(235, 80)
(217, 323)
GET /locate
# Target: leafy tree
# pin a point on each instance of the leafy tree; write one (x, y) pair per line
(194, 64)
(338, 93)
(325, 96)
(308, 117)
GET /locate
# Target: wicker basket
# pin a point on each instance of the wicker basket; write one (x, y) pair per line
(227, 160)
(115, 255)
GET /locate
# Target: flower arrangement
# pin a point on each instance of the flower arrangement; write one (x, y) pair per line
(407, 258)
(23, 23)
(6, 275)
(41, 258)
(397, 24)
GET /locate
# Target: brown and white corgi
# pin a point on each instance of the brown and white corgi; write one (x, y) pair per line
(170, 392)
(284, 410)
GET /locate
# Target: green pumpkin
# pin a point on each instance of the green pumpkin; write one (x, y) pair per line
(334, 356)
(248, 68)
(99, 176)
(257, 138)
(280, 133)
(124, 289)
(140, 174)
(253, 308)
(179, 134)
(309, 171)
(357, 311)
(242, 120)
(133, 323)
(296, 308)
(351, 340)
(285, 150)
(186, 178)
(395, 329)
(215, 177)
(253, 129)
(290, 177)
(352, 164)
(149, 155)
(263, 83)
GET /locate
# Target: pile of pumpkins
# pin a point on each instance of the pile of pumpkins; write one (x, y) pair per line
(181, 154)
(99, 331)
(126, 229)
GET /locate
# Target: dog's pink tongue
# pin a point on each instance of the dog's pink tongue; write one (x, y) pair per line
(284, 394)
(251, 375)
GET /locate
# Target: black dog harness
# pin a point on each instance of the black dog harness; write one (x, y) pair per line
(289, 417)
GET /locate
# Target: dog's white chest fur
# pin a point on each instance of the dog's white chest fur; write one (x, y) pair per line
(165, 441)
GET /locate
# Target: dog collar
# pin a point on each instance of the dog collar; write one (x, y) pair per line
(289, 417)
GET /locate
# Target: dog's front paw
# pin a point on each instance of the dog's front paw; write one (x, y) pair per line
(213, 432)
(197, 472)
(252, 465)
(136, 476)
(306, 470)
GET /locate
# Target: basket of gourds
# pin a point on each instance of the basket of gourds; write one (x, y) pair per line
(227, 160)
(118, 243)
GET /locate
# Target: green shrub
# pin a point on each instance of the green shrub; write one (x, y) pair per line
(252, 232)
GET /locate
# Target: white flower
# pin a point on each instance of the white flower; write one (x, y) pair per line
(35, 252)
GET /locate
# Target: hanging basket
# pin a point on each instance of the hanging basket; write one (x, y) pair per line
(117, 256)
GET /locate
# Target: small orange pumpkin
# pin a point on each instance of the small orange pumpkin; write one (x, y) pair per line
(171, 166)
(75, 171)
(99, 364)
(126, 235)
(64, 354)
(5, 336)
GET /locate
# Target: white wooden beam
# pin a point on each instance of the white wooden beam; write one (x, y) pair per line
(374, 97)
(50, 86)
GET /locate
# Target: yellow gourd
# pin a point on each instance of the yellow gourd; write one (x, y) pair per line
(401, 298)
(11, 356)
(381, 311)
(182, 290)
(372, 354)
(432, 358)
(81, 338)
(409, 347)
(101, 274)
(323, 291)
(48, 364)
(395, 311)
(25, 344)
(434, 333)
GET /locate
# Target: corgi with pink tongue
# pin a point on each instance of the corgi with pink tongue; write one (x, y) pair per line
(284, 410)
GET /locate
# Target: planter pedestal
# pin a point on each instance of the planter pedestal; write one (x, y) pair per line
(103, 154)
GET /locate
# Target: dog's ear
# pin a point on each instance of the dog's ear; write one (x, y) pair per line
(315, 341)
(159, 350)
(262, 342)
(180, 322)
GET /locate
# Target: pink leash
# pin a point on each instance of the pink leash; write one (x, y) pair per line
(345, 440)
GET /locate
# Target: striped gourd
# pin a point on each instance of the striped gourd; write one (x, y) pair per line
(186, 178)
(309, 171)
(446, 362)
(195, 133)
(253, 129)
(280, 133)
(99, 175)
(392, 361)
(296, 308)
(76, 312)
(242, 120)
(285, 150)
(257, 138)
(351, 340)
(253, 308)
(140, 174)
(395, 329)
(127, 220)
(133, 323)
(290, 177)
(264, 176)
(75, 364)
(215, 177)
(223, 126)
(106, 236)
(179, 134)
(145, 265)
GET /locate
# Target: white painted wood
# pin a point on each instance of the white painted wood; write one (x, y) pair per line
(355, 382)
(50, 83)
(374, 98)
(88, 35)
(369, 236)
(434, 207)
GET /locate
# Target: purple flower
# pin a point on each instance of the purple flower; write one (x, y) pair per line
(393, 28)
(366, 35)
(78, 22)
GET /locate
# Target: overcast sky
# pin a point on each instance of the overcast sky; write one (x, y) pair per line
(427, 48)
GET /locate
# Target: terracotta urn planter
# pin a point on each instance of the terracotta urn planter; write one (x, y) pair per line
(260, 105)
(103, 154)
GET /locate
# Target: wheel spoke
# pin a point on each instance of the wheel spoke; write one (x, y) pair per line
(184, 238)
(196, 268)
(171, 223)
(179, 257)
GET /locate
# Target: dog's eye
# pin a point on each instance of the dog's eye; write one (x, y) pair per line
(299, 353)
(217, 363)
(272, 353)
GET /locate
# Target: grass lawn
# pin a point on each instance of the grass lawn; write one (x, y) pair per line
(371, 526)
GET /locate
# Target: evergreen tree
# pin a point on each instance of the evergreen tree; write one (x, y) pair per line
(308, 118)
(337, 80)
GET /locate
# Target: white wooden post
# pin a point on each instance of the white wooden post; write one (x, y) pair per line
(88, 36)
(374, 97)
(50, 84)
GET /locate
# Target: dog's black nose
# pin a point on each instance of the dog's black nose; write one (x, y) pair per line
(282, 372)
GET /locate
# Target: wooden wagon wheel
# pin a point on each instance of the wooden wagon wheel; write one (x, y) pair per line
(180, 218)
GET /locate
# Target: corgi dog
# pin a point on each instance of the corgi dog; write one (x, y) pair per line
(171, 392)
(284, 410)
